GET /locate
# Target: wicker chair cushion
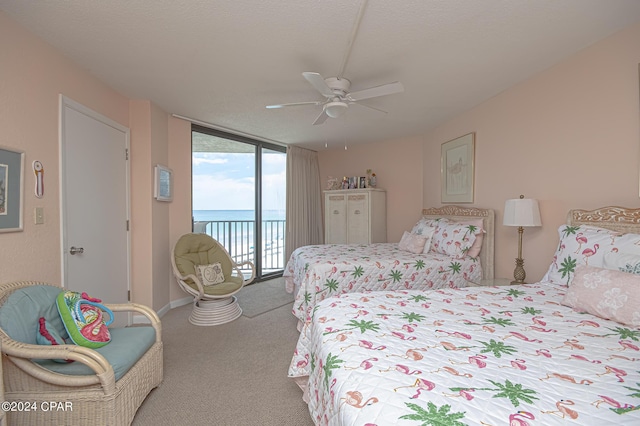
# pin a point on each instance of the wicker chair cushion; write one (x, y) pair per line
(21, 312)
(19, 315)
(201, 249)
(126, 347)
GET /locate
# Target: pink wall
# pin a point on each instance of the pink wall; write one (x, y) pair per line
(141, 202)
(32, 76)
(398, 167)
(568, 137)
(180, 208)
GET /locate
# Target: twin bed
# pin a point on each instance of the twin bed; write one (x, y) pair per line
(544, 353)
(314, 273)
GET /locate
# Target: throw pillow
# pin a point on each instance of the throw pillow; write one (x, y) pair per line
(453, 239)
(83, 318)
(424, 225)
(412, 242)
(210, 274)
(475, 226)
(605, 293)
(48, 335)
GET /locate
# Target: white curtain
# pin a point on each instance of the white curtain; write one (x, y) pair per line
(304, 200)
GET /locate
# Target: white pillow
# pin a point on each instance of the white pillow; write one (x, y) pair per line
(412, 242)
(453, 239)
(210, 274)
(428, 234)
(587, 245)
(623, 262)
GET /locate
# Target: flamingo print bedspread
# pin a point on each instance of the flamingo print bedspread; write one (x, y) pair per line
(314, 273)
(473, 356)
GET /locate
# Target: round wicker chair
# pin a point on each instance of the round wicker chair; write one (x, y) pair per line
(212, 304)
(93, 398)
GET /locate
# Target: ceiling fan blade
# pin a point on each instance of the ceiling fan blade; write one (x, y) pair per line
(318, 82)
(293, 104)
(321, 118)
(369, 106)
(373, 92)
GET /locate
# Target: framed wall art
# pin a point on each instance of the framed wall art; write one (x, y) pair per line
(163, 183)
(457, 169)
(11, 189)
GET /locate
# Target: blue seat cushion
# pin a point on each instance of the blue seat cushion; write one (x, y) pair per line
(127, 346)
(20, 313)
(19, 317)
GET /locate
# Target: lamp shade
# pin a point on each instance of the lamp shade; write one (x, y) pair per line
(522, 212)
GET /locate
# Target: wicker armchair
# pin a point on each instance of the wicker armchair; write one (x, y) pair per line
(96, 398)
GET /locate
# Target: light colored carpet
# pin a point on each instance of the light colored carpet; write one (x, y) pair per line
(232, 374)
(258, 298)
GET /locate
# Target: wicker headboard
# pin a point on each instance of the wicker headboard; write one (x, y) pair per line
(619, 219)
(462, 213)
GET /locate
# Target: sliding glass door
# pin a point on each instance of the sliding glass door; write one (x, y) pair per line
(239, 196)
(273, 218)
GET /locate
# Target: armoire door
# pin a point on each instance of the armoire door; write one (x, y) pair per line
(336, 219)
(358, 218)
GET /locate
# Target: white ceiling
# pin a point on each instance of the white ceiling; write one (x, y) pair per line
(223, 61)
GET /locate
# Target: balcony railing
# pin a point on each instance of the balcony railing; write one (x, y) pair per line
(238, 237)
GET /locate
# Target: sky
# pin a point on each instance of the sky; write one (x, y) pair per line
(226, 181)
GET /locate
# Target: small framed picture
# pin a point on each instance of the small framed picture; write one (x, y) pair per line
(11, 189)
(353, 182)
(363, 182)
(163, 183)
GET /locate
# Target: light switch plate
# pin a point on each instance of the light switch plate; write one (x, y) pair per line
(38, 215)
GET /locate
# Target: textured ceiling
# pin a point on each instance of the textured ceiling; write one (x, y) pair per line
(223, 61)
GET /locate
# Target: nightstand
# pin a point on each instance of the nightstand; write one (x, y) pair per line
(491, 282)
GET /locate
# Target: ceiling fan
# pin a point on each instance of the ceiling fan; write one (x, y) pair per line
(338, 97)
(336, 89)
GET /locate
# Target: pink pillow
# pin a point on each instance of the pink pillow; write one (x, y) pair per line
(412, 242)
(605, 293)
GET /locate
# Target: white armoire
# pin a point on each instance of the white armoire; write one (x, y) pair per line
(355, 216)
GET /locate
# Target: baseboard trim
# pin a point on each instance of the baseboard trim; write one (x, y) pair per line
(141, 319)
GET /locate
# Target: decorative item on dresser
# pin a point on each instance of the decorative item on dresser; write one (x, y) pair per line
(355, 216)
(521, 212)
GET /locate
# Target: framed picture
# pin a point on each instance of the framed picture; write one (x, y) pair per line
(164, 183)
(11, 189)
(457, 169)
(353, 182)
(363, 182)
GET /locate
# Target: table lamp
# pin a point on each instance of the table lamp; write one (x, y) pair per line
(521, 212)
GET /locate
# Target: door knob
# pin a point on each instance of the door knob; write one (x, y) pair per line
(76, 250)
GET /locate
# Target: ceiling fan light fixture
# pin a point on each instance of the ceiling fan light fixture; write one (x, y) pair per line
(335, 109)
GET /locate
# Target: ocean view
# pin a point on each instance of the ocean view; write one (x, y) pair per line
(203, 215)
(234, 229)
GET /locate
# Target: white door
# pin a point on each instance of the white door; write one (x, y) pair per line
(95, 204)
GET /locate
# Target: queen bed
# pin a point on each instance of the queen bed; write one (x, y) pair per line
(566, 349)
(314, 273)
